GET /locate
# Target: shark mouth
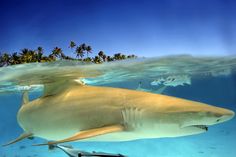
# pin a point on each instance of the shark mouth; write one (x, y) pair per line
(204, 127)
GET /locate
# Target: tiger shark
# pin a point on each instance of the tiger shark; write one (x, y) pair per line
(74, 112)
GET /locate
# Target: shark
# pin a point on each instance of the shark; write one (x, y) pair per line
(68, 112)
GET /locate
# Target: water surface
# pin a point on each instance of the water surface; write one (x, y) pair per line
(211, 80)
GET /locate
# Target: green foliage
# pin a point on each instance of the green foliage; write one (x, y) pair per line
(79, 52)
(97, 60)
(72, 44)
(29, 56)
(57, 53)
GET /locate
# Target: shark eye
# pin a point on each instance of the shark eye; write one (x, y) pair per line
(217, 120)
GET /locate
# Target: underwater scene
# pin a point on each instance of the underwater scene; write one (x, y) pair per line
(171, 106)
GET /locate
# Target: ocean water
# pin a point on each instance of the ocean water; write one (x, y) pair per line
(210, 80)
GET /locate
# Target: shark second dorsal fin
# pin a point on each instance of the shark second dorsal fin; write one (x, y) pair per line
(88, 134)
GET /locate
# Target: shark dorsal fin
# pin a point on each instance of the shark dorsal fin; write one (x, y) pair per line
(58, 87)
(25, 97)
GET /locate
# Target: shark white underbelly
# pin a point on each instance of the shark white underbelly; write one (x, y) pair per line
(90, 113)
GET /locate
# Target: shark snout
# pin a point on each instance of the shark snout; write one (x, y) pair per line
(227, 115)
(223, 115)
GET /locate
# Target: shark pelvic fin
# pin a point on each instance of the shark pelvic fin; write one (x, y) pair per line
(87, 134)
(21, 137)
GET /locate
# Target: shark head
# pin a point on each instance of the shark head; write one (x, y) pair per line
(173, 117)
(198, 121)
(195, 117)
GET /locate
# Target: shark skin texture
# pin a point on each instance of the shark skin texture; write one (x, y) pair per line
(92, 113)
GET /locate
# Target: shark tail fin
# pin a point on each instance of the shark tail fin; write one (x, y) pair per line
(21, 137)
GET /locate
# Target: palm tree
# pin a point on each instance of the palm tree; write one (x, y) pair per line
(97, 60)
(123, 56)
(88, 50)
(117, 56)
(5, 59)
(132, 56)
(79, 52)
(27, 55)
(39, 53)
(23, 54)
(51, 57)
(109, 58)
(83, 46)
(100, 54)
(88, 59)
(1, 60)
(15, 59)
(104, 58)
(33, 55)
(57, 52)
(72, 44)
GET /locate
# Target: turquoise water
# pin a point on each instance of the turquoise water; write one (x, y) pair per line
(210, 80)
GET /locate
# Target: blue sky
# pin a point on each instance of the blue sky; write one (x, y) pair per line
(146, 28)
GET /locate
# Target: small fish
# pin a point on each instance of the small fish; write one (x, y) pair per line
(172, 81)
(78, 153)
(157, 91)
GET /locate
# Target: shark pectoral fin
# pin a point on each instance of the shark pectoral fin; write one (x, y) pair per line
(88, 133)
(21, 137)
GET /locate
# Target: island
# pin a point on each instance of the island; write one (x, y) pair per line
(30, 56)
